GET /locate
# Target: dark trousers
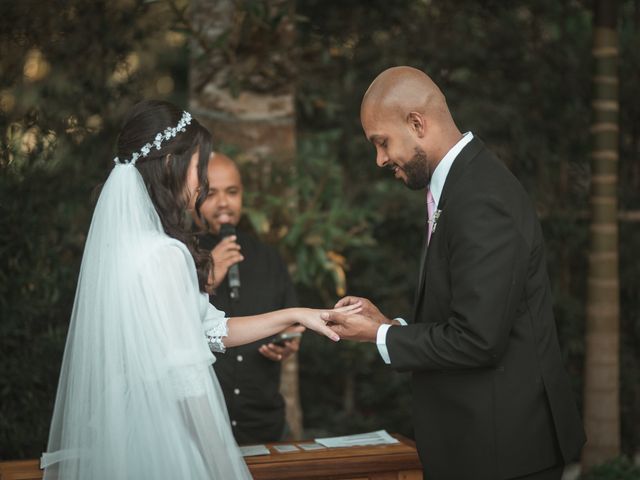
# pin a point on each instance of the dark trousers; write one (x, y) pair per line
(553, 473)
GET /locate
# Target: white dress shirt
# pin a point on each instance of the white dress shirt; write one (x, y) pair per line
(436, 185)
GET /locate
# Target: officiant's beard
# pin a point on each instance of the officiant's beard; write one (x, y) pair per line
(417, 170)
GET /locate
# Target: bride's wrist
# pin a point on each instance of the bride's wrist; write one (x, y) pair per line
(296, 315)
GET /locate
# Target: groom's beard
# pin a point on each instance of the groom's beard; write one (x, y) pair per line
(417, 171)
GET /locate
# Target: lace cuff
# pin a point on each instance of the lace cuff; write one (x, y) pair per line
(214, 335)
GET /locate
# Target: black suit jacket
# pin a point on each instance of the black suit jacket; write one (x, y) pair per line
(491, 396)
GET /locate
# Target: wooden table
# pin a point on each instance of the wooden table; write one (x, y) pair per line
(382, 462)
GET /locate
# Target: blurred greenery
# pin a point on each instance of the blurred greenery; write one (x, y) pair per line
(620, 468)
(517, 74)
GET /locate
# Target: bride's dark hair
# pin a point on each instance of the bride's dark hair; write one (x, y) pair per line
(165, 171)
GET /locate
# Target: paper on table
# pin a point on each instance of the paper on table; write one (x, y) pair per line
(311, 446)
(285, 448)
(254, 450)
(381, 437)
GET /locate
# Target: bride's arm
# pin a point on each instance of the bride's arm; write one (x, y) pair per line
(242, 330)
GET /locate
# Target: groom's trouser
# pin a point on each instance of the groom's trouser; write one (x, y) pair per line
(553, 473)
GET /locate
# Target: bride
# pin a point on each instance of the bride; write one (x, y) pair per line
(137, 397)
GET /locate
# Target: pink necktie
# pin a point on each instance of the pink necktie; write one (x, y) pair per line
(431, 206)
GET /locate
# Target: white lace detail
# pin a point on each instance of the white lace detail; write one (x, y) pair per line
(168, 134)
(215, 334)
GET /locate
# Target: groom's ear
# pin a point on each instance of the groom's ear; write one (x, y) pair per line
(417, 124)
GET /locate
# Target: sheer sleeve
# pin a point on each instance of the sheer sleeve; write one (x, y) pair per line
(174, 301)
(214, 323)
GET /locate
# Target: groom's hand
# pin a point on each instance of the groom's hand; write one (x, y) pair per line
(352, 326)
(368, 309)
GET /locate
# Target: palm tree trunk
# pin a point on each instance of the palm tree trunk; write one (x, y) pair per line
(601, 387)
(242, 88)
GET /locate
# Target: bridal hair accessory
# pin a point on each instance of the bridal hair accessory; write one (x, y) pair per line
(168, 134)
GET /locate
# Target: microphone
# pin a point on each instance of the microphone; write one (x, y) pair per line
(233, 275)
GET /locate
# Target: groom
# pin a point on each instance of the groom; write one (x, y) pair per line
(491, 397)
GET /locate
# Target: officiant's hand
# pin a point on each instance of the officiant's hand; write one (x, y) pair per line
(279, 353)
(224, 255)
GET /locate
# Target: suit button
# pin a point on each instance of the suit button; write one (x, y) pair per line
(239, 358)
(234, 423)
(236, 391)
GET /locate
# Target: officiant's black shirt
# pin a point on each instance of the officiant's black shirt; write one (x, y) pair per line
(251, 382)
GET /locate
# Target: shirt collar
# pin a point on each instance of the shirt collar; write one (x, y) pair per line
(439, 175)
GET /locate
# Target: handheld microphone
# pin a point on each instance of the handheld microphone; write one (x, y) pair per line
(233, 275)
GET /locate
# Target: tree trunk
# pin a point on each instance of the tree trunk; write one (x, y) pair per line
(290, 389)
(242, 88)
(601, 386)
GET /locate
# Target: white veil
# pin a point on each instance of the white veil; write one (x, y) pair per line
(137, 396)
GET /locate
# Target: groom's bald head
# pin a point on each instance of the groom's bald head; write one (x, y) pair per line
(400, 90)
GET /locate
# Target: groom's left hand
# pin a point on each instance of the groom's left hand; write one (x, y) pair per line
(352, 326)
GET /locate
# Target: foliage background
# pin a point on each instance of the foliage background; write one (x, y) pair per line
(517, 74)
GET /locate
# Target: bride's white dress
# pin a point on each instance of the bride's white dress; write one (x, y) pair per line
(137, 397)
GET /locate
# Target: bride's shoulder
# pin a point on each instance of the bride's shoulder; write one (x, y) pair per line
(159, 246)
(160, 262)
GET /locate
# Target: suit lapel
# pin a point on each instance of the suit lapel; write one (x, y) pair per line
(462, 160)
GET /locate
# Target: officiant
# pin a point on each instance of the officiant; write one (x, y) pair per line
(249, 374)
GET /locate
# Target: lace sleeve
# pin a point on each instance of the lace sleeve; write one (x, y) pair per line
(215, 333)
(214, 323)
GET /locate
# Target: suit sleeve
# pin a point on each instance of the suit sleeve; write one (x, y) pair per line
(487, 262)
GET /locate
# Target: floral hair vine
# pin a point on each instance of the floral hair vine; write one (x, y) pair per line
(168, 134)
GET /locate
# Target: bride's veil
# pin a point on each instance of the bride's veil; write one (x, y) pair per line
(137, 397)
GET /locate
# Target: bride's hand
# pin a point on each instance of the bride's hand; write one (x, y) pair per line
(311, 318)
